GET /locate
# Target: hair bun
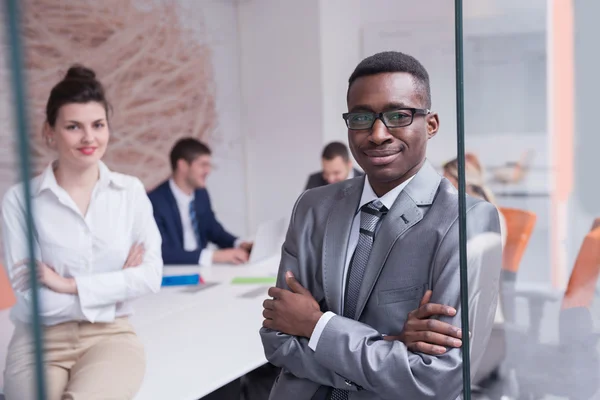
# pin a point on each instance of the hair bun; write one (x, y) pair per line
(78, 71)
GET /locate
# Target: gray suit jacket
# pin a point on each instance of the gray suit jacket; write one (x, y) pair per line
(416, 248)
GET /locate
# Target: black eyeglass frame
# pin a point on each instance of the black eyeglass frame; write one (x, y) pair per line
(380, 116)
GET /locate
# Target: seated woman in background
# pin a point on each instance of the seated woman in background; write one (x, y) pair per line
(96, 247)
(475, 184)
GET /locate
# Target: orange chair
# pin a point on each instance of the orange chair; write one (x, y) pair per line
(569, 367)
(582, 283)
(519, 227)
(7, 296)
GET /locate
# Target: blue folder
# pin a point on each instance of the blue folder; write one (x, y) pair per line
(181, 280)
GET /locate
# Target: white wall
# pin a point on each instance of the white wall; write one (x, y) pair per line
(339, 24)
(227, 183)
(584, 204)
(281, 102)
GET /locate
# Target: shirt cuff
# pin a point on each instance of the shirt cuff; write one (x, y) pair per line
(237, 243)
(206, 258)
(319, 328)
(92, 294)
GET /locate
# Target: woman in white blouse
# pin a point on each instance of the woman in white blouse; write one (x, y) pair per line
(96, 246)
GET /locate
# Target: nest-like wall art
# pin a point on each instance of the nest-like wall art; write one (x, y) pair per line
(157, 74)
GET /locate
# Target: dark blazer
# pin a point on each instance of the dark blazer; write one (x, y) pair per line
(316, 179)
(168, 220)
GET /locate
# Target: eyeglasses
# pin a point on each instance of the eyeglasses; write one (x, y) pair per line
(391, 119)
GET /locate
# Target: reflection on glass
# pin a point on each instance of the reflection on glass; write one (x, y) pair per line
(521, 121)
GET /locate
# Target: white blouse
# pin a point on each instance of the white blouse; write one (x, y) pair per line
(91, 248)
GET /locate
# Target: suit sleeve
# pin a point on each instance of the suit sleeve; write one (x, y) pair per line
(216, 233)
(357, 351)
(291, 352)
(172, 252)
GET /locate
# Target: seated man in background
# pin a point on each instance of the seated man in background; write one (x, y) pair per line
(187, 223)
(184, 214)
(337, 166)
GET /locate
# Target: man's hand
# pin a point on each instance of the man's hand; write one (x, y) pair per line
(135, 256)
(230, 256)
(46, 275)
(422, 334)
(294, 312)
(246, 246)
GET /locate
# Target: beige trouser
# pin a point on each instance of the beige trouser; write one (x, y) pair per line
(82, 361)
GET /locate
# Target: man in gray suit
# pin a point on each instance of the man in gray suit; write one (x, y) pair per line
(360, 254)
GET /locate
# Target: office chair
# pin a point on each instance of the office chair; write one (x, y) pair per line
(7, 296)
(519, 227)
(571, 367)
(596, 224)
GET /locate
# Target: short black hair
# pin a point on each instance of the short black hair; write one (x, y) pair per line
(335, 149)
(395, 61)
(187, 149)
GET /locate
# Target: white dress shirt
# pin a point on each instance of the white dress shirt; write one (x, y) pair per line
(190, 243)
(91, 248)
(368, 195)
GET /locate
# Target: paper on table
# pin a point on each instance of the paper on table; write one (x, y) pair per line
(256, 292)
(198, 288)
(254, 280)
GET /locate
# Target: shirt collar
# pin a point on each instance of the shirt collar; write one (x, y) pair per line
(388, 199)
(180, 195)
(47, 180)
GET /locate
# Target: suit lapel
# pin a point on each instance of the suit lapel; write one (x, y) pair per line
(403, 215)
(335, 243)
(201, 219)
(172, 204)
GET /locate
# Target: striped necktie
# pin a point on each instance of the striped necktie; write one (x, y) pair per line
(194, 222)
(370, 216)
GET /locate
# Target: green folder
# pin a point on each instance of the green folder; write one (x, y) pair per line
(254, 280)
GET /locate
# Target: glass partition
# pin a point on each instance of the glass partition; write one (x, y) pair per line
(513, 250)
(529, 150)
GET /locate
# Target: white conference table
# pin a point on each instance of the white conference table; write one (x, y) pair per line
(197, 342)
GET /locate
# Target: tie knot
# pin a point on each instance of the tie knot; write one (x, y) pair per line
(375, 207)
(371, 213)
